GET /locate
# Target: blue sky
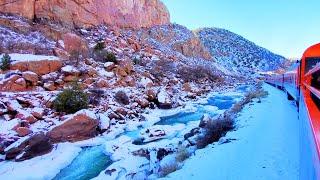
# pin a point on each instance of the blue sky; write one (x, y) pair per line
(286, 27)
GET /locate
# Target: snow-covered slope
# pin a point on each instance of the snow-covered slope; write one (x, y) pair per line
(238, 54)
(265, 145)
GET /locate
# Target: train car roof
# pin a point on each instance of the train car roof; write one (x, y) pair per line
(293, 66)
(312, 51)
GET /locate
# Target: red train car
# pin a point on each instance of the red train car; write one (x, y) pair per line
(302, 84)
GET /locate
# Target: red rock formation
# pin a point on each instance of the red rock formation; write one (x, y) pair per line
(82, 125)
(84, 13)
(23, 8)
(39, 66)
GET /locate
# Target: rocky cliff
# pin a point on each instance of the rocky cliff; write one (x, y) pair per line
(86, 13)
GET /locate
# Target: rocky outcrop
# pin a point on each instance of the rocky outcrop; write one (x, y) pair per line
(179, 38)
(72, 43)
(38, 64)
(79, 13)
(37, 145)
(23, 8)
(82, 125)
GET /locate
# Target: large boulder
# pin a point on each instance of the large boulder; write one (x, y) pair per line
(82, 125)
(75, 45)
(80, 13)
(36, 145)
(13, 83)
(30, 77)
(164, 100)
(38, 64)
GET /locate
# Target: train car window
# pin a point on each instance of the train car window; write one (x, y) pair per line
(311, 63)
(315, 82)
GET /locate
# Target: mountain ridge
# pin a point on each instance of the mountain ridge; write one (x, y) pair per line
(238, 54)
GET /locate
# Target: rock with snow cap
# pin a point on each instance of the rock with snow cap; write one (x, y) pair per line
(164, 100)
(24, 115)
(37, 112)
(13, 83)
(109, 66)
(37, 145)
(30, 77)
(36, 63)
(49, 86)
(80, 126)
(70, 70)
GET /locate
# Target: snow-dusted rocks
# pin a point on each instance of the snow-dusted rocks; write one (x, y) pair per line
(236, 53)
(146, 82)
(23, 131)
(36, 145)
(157, 132)
(36, 63)
(24, 115)
(109, 65)
(142, 102)
(70, 70)
(204, 120)
(80, 126)
(49, 86)
(164, 99)
(180, 39)
(13, 83)
(31, 77)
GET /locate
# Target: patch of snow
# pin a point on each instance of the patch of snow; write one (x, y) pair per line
(69, 69)
(90, 142)
(105, 73)
(7, 126)
(266, 145)
(104, 120)
(30, 57)
(42, 167)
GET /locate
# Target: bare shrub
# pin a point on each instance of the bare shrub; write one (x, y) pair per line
(198, 73)
(161, 68)
(105, 56)
(215, 129)
(122, 98)
(95, 96)
(99, 46)
(182, 154)
(168, 168)
(75, 57)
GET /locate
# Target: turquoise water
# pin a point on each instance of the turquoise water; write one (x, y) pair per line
(92, 160)
(87, 165)
(222, 102)
(185, 117)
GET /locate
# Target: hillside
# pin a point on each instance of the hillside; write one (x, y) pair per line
(238, 54)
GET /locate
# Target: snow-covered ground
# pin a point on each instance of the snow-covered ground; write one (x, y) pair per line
(265, 146)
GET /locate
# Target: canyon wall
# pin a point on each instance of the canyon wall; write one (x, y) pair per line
(86, 13)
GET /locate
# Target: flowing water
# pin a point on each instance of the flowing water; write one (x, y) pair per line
(92, 160)
(88, 164)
